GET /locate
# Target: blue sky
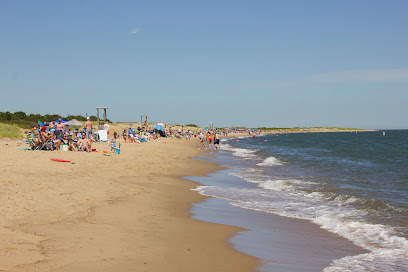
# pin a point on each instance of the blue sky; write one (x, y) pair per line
(251, 63)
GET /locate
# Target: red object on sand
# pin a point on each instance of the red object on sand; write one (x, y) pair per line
(93, 149)
(59, 160)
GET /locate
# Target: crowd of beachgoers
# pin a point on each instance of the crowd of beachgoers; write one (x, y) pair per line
(206, 137)
(57, 135)
(54, 134)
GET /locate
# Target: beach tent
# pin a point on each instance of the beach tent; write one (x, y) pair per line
(205, 129)
(41, 123)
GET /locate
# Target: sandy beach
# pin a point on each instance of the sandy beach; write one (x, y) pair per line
(203, 136)
(127, 212)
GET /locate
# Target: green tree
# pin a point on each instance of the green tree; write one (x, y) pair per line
(36, 117)
(19, 115)
(49, 117)
(7, 116)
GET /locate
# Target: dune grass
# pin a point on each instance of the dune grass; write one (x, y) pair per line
(10, 131)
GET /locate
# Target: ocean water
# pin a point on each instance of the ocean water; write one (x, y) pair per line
(351, 184)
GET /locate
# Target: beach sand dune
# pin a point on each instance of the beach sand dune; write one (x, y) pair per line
(127, 212)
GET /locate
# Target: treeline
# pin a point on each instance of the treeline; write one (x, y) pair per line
(23, 120)
(274, 128)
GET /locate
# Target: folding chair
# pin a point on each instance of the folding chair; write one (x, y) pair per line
(103, 136)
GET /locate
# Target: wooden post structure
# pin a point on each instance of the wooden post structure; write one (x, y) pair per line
(141, 120)
(104, 114)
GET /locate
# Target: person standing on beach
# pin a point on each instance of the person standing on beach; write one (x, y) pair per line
(59, 129)
(88, 128)
(216, 140)
(209, 138)
(113, 142)
(51, 126)
(201, 140)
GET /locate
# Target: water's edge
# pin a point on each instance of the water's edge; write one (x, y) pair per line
(282, 243)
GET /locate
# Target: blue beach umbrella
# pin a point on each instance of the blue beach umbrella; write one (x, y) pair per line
(157, 127)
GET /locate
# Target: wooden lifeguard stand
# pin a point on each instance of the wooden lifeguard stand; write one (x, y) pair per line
(104, 115)
(141, 120)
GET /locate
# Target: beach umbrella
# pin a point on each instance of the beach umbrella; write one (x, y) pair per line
(157, 127)
(74, 122)
(205, 129)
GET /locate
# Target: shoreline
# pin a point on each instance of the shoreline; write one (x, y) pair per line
(129, 212)
(281, 243)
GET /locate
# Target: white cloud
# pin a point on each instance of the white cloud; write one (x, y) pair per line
(135, 30)
(361, 76)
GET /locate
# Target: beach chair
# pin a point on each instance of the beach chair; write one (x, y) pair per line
(103, 136)
(45, 144)
(49, 145)
(33, 145)
(30, 140)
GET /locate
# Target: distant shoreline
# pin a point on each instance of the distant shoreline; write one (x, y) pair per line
(318, 129)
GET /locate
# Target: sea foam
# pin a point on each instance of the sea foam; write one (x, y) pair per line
(270, 161)
(240, 152)
(287, 198)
